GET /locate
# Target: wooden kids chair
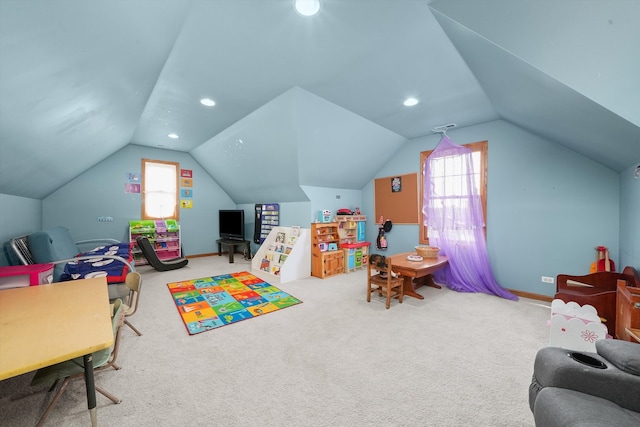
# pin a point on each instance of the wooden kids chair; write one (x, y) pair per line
(380, 278)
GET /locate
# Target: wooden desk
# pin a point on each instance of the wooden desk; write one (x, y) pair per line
(48, 324)
(417, 270)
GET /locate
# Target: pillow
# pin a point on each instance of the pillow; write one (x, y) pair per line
(624, 355)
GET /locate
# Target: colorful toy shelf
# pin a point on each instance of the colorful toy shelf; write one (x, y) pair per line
(164, 236)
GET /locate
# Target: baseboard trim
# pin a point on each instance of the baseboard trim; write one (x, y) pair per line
(202, 255)
(530, 295)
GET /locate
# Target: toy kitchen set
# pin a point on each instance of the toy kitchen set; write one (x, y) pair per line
(350, 237)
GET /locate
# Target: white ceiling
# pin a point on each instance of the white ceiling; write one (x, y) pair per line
(80, 79)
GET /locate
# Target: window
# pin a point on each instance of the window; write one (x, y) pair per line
(479, 156)
(159, 189)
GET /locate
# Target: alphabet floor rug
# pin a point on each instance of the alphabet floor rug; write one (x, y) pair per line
(211, 302)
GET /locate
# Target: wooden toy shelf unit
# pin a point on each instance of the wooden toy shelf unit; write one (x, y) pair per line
(327, 258)
(164, 235)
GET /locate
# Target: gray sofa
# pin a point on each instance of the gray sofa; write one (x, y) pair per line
(575, 389)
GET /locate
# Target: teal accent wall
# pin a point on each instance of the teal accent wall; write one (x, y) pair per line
(101, 192)
(548, 207)
(18, 216)
(630, 218)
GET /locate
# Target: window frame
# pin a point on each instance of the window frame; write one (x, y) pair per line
(483, 148)
(176, 210)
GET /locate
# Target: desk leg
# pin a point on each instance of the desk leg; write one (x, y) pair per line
(232, 249)
(219, 249)
(91, 388)
(409, 290)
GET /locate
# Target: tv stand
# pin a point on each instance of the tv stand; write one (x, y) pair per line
(232, 243)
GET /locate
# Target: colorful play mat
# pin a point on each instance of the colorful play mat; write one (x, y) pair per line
(211, 302)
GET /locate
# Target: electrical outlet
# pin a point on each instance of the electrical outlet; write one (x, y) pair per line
(105, 219)
(547, 279)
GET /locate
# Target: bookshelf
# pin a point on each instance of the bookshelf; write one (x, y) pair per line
(284, 253)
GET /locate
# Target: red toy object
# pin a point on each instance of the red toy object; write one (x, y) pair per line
(603, 262)
(16, 276)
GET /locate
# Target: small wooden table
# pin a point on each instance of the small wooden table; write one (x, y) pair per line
(417, 270)
(232, 243)
(48, 324)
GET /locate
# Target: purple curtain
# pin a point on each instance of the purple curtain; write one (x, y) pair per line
(453, 214)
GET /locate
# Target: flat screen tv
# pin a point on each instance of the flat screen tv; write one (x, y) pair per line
(231, 223)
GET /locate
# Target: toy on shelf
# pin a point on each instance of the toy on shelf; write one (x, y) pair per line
(324, 216)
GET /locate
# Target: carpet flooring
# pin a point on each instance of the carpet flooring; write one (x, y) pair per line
(449, 360)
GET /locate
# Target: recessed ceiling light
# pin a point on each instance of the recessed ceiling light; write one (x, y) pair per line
(410, 102)
(173, 136)
(307, 7)
(208, 102)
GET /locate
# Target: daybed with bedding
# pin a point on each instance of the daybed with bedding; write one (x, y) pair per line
(112, 259)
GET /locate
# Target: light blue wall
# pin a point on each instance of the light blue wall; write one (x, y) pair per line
(291, 213)
(304, 213)
(548, 207)
(100, 192)
(630, 218)
(332, 199)
(18, 216)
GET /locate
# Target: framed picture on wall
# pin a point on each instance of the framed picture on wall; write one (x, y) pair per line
(396, 184)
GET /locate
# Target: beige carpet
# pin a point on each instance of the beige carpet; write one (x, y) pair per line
(451, 359)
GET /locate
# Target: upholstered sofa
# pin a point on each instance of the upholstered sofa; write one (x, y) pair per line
(571, 388)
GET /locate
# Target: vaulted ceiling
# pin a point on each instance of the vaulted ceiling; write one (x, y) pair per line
(81, 79)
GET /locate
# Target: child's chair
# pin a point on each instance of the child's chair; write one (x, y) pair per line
(381, 278)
